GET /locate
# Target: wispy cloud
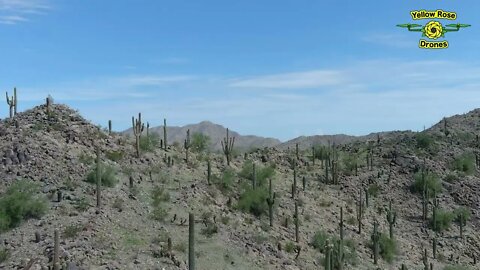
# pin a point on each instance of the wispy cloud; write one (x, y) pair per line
(17, 11)
(305, 79)
(362, 97)
(390, 39)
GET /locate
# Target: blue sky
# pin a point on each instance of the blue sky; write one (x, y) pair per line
(271, 68)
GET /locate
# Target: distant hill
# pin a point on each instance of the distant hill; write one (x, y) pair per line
(216, 133)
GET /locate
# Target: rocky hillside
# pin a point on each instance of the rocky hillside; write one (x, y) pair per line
(141, 221)
(216, 133)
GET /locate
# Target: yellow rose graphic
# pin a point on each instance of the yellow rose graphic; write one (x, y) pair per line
(433, 30)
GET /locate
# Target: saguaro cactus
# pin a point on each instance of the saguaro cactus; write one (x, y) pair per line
(434, 247)
(328, 255)
(391, 218)
(425, 260)
(56, 251)
(209, 171)
(165, 144)
(270, 202)
(99, 178)
(294, 186)
(191, 242)
(254, 176)
(137, 127)
(109, 127)
(227, 147)
(296, 217)
(187, 145)
(12, 102)
(297, 152)
(376, 242)
(313, 155)
(360, 212)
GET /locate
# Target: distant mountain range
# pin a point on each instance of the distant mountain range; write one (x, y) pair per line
(245, 142)
(216, 133)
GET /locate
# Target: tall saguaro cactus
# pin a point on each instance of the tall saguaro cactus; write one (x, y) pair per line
(137, 127)
(254, 176)
(294, 185)
(209, 171)
(186, 144)
(376, 242)
(360, 212)
(12, 102)
(227, 147)
(99, 178)
(297, 223)
(270, 202)
(109, 127)
(165, 144)
(391, 218)
(56, 250)
(191, 242)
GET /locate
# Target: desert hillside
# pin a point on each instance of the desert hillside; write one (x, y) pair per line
(400, 200)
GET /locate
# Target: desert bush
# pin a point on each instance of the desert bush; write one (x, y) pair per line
(118, 204)
(456, 267)
(320, 238)
(114, 155)
(107, 173)
(254, 201)
(350, 162)
(373, 190)
(200, 142)
(159, 195)
(81, 204)
(150, 142)
(424, 141)
(388, 248)
(4, 255)
(86, 159)
(21, 201)
(443, 220)
(225, 181)
(433, 184)
(263, 172)
(465, 163)
(72, 231)
(290, 247)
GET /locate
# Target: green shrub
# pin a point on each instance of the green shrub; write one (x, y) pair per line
(373, 190)
(465, 163)
(263, 173)
(4, 255)
(150, 142)
(442, 220)
(350, 162)
(107, 173)
(72, 231)
(451, 177)
(290, 247)
(424, 141)
(254, 201)
(225, 182)
(433, 184)
(21, 201)
(159, 195)
(200, 142)
(388, 248)
(462, 214)
(81, 204)
(320, 238)
(114, 155)
(456, 267)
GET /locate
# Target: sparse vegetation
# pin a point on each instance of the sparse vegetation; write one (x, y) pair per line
(200, 142)
(424, 141)
(388, 248)
(114, 155)
(159, 195)
(465, 163)
(429, 181)
(72, 231)
(108, 176)
(442, 221)
(21, 201)
(254, 201)
(150, 142)
(4, 255)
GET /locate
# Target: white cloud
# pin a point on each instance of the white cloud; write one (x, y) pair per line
(17, 11)
(154, 80)
(305, 79)
(391, 39)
